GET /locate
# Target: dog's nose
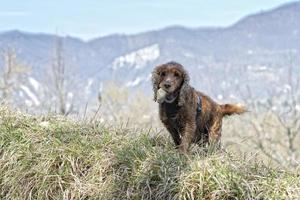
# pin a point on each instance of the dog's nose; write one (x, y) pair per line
(167, 85)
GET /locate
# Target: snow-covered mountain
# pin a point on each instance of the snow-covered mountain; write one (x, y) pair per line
(256, 51)
(137, 59)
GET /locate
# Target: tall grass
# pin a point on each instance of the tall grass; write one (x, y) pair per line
(55, 158)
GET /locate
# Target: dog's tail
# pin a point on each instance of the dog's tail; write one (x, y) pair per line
(230, 109)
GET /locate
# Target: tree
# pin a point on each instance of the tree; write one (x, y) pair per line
(273, 124)
(12, 75)
(59, 80)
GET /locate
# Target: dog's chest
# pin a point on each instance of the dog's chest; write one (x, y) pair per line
(171, 110)
(170, 113)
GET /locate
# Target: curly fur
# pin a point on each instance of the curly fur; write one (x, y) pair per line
(179, 116)
(155, 81)
(184, 88)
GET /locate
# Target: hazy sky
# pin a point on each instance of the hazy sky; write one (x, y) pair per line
(91, 18)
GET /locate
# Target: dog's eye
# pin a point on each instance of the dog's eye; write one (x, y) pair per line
(163, 74)
(176, 74)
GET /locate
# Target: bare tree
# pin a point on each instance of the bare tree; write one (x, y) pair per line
(12, 74)
(59, 79)
(275, 122)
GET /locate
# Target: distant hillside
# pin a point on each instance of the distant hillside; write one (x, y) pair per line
(256, 51)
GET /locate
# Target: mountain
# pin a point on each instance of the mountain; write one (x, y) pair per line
(256, 53)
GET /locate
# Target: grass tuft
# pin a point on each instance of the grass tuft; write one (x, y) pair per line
(55, 158)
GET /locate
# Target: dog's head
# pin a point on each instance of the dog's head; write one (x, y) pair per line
(172, 78)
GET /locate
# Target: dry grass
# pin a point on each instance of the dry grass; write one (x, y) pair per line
(54, 158)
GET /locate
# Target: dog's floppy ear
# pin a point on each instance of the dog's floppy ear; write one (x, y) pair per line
(155, 80)
(184, 88)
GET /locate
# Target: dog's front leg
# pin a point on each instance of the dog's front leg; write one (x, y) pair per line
(187, 136)
(174, 133)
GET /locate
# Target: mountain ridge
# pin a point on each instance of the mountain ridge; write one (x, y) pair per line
(232, 54)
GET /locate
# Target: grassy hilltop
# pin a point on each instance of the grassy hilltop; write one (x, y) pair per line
(55, 158)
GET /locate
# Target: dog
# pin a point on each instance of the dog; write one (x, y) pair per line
(189, 115)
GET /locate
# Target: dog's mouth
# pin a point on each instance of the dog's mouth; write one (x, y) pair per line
(170, 97)
(165, 96)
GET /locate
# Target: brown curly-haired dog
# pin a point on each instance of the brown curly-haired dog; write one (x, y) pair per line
(189, 115)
